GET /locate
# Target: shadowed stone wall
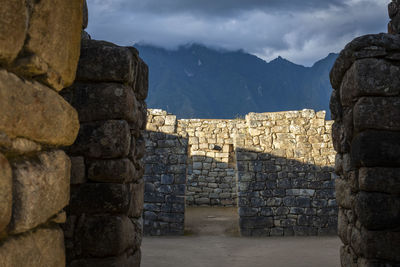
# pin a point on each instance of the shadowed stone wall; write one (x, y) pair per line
(279, 164)
(39, 51)
(365, 105)
(104, 224)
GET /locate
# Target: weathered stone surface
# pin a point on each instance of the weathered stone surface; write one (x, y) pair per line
(5, 192)
(96, 198)
(102, 61)
(343, 193)
(112, 171)
(376, 149)
(381, 113)
(40, 189)
(13, 27)
(141, 85)
(137, 200)
(102, 101)
(104, 235)
(103, 139)
(386, 180)
(377, 211)
(36, 112)
(55, 37)
(384, 245)
(370, 77)
(78, 170)
(43, 247)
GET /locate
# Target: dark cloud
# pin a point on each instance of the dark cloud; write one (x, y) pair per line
(301, 31)
(223, 7)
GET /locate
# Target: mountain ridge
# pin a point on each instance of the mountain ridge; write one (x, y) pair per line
(195, 81)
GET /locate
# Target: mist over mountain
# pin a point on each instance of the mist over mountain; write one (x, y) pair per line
(195, 81)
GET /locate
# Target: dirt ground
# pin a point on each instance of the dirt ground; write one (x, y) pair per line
(212, 240)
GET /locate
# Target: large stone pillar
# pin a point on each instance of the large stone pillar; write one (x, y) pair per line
(365, 105)
(39, 51)
(104, 225)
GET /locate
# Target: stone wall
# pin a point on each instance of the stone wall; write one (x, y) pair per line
(165, 176)
(104, 223)
(279, 164)
(365, 105)
(39, 51)
(285, 174)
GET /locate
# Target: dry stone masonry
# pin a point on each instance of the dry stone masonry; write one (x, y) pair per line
(276, 167)
(365, 105)
(104, 225)
(39, 52)
(165, 176)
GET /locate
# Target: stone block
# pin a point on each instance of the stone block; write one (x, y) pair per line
(370, 77)
(105, 236)
(36, 112)
(381, 113)
(386, 180)
(43, 247)
(55, 38)
(137, 200)
(102, 61)
(256, 222)
(6, 193)
(384, 245)
(112, 171)
(344, 196)
(102, 101)
(92, 198)
(78, 170)
(103, 139)
(376, 149)
(40, 189)
(377, 211)
(13, 28)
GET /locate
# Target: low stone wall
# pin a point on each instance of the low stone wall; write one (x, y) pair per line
(365, 105)
(285, 174)
(104, 225)
(165, 176)
(39, 50)
(279, 164)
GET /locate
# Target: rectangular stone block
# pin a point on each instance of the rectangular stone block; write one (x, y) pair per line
(381, 113)
(102, 101)
(43, 247)
(384, 245)
(102, 61)
(105, 235)
(92, 198)
(5, 192)
(137, 199)
(385, 180)
(370, 77)
(13, 27)
(78, 170)
(103, 139)
(40, 189)
(377, 211)
(376, 149)
(112, 171)
(36, 112)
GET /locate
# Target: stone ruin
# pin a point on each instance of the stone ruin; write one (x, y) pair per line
(94, 188)
(277, 168)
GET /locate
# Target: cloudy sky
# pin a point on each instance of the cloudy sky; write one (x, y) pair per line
(302, 31)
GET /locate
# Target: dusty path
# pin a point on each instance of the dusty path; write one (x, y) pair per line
(212, 241)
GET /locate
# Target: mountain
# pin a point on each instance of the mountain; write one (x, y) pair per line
(195, 81)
